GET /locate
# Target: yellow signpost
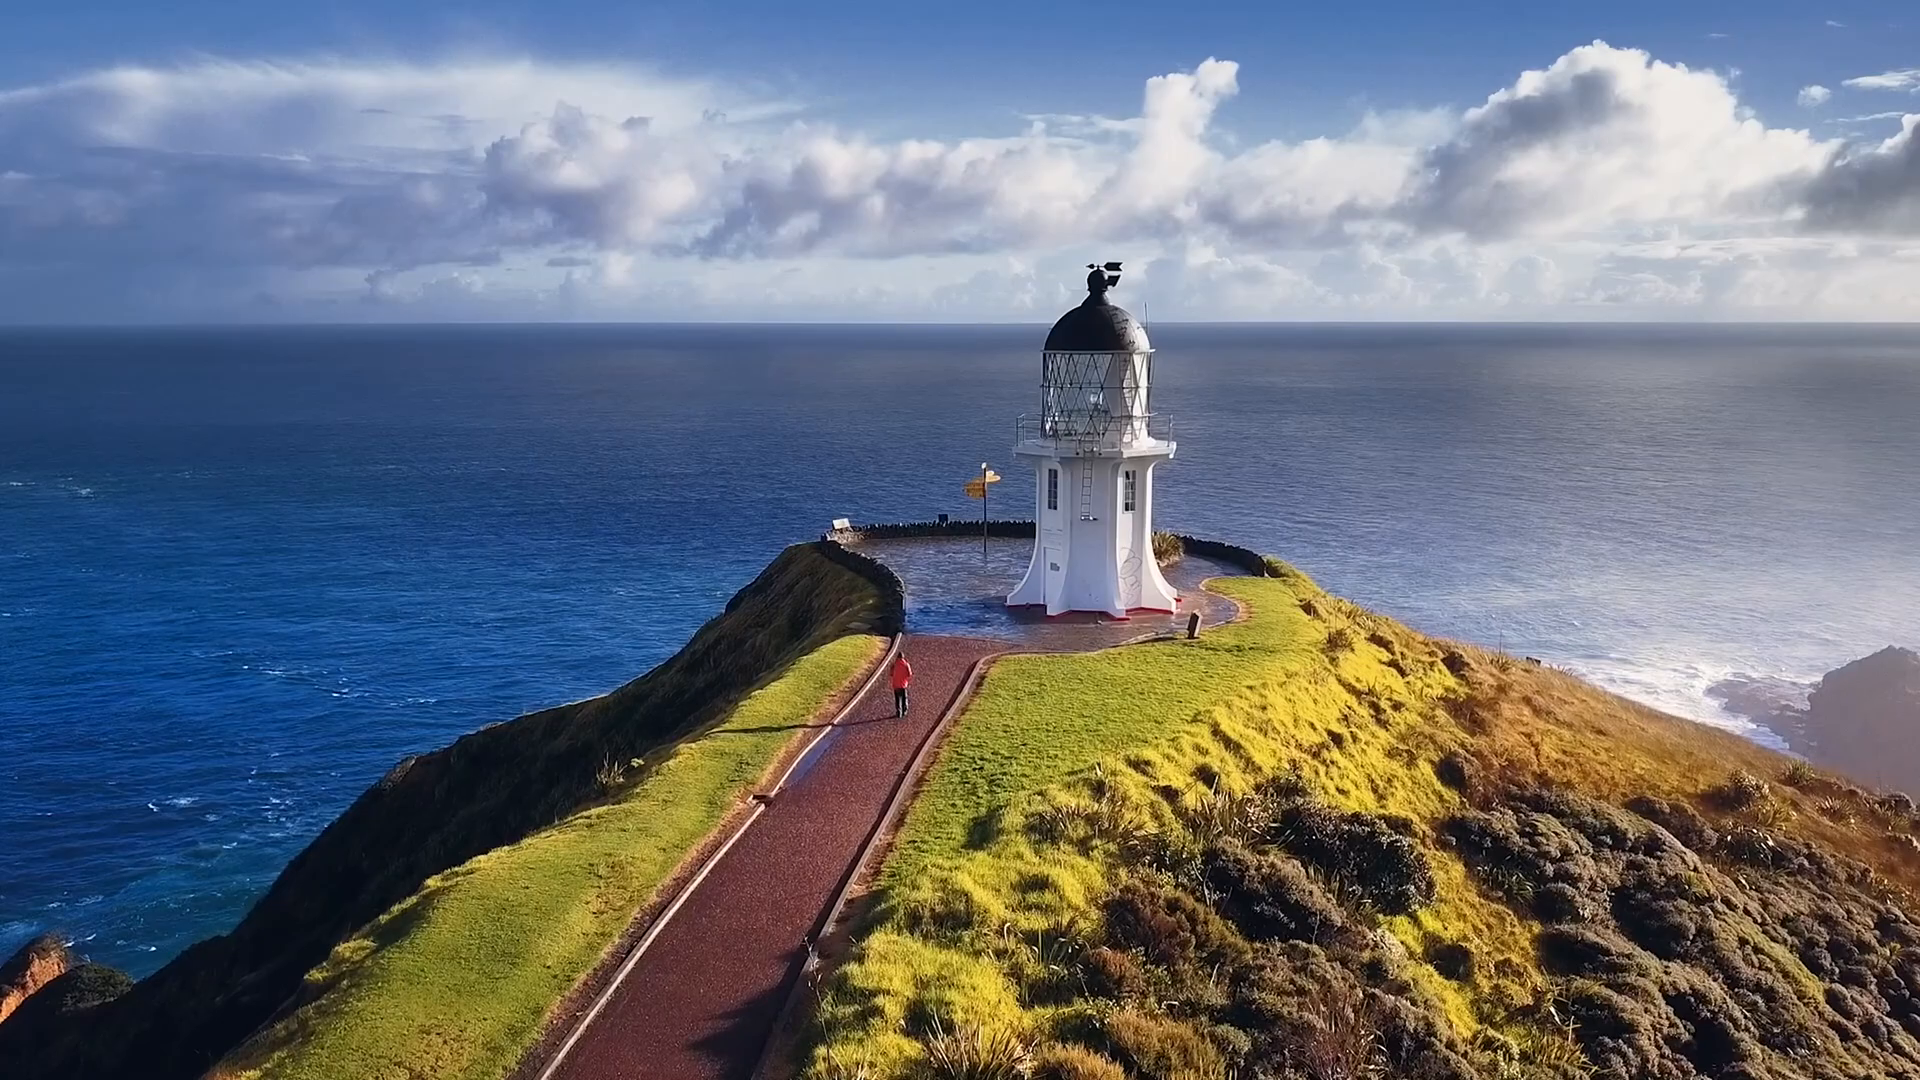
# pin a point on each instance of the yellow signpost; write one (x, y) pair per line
(977, 489)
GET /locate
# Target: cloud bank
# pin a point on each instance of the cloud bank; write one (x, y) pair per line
(1606, 182)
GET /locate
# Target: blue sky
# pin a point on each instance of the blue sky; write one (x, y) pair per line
(896, 63)
(219, 160)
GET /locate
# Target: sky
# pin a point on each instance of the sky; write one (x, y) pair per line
(218, 161)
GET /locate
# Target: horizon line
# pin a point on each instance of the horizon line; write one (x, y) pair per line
(389, 324)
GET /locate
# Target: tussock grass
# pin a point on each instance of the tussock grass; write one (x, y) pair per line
(455, 981)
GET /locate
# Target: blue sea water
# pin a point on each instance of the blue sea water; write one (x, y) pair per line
(243, 571)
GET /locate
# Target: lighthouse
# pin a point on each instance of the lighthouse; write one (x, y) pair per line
(1094, 445)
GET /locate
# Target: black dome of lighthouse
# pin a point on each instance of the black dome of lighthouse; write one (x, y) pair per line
(1098, 325)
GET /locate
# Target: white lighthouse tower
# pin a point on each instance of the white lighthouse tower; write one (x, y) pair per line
(1093, 446)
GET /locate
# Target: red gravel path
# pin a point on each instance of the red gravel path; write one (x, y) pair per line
(703, 998)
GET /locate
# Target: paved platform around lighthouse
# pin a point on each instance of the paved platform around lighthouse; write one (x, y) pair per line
(953, 587)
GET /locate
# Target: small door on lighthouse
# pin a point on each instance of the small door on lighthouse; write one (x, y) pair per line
(1056, 576)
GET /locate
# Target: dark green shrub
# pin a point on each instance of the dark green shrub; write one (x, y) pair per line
(1657, 920)
(1458, 772)
(1561, 903)
(1110, 973)
(1452, 960)
(1584, 951)
(1754, 847)
(77, 989)
(1235, 1045)
(1386, 867)
(1414, 1041)
(1177, 934)
(1271, 897)
(1682, 821)
(1287, 785)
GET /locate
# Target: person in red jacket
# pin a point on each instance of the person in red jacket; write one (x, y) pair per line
(902, 678)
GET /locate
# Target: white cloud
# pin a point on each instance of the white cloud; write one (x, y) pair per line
(1814, 96)
(1903, 79)
(1599, 182)
(1606, 137)
(576, 176)
(1872, 189)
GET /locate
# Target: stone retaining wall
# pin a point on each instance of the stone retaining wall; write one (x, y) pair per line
(916, 529)
(1234, 555)
(1244, 559)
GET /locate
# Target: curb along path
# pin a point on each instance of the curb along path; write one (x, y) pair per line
(700, 1000)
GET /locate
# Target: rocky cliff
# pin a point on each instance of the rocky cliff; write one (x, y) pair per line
(30, 969)
(1862, 719)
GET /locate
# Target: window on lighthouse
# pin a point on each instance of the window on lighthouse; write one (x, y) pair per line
(1053, 489)
(1131, 487)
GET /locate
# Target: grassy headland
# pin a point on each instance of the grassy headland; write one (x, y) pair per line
(489, 790)
(1318, 844)
(454, 981)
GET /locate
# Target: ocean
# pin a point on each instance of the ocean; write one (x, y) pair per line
(243, 571)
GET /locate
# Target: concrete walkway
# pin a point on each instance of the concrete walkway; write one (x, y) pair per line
(703, 997)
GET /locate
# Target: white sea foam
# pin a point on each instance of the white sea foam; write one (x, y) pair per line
(1680, 687)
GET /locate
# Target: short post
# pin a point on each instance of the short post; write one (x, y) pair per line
(1193, 626)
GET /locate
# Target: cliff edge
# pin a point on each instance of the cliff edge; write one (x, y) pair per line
(431, 812)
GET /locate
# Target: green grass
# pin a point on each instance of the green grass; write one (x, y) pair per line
(1116, 749)
(968, 898)
(1038, 719)
(455, 981)
(1353, 701)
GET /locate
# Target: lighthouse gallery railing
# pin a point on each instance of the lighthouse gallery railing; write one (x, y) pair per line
(1094, 427)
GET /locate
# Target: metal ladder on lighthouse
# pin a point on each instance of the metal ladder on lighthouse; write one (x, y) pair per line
(1086, 491)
